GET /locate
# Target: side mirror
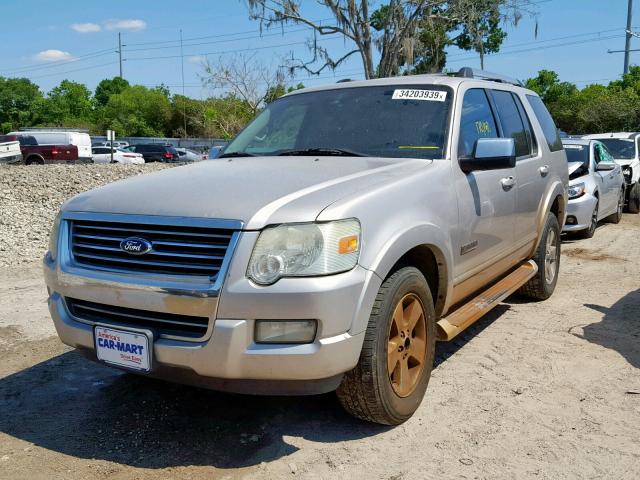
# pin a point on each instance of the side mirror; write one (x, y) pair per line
(491, 154)
(605, 166)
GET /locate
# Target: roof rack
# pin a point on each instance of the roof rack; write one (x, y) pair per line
(344, 80)
(468, 72)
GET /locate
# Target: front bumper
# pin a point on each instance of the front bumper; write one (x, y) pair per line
(227, 358)
(580, 211)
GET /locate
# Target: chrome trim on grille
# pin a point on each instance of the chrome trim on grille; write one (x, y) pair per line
(205, 285)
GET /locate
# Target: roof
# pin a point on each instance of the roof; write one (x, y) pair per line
(611, 135)
(576, 141)
(426, 79)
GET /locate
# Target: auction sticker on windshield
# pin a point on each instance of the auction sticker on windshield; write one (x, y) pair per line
(414, 94)
(123, 348)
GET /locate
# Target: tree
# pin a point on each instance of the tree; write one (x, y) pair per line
(108, 87)
(244, 77)
(481, 30)
(137, 111)
(19, 100)
(68, 104)
(397, 24)
(548, 85)
(279, 90)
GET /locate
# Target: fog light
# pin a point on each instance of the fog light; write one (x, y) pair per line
(285, 331)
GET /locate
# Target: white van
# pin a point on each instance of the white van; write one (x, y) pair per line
(53, 137)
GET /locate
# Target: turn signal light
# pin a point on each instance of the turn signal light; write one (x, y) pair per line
(348, 244)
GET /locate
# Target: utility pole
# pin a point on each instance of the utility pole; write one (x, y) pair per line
(627, 44)
(120, 52)
(184, 100)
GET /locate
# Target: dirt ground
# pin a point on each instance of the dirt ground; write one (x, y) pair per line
(534, 390)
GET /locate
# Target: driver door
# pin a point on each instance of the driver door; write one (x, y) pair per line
(486, 199)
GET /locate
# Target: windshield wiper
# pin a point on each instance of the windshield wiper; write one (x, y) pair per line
(236, 155)
(323, 151)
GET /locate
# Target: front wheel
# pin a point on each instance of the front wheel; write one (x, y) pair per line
(391, 377)
(617, 216)
(589, 232)
(634, 199)
(547, 257)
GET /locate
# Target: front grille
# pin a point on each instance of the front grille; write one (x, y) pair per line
(161, 323)
(176, 250)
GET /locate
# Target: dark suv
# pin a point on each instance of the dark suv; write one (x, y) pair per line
(156, 152)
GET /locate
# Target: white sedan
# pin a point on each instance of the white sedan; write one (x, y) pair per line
(103, 155)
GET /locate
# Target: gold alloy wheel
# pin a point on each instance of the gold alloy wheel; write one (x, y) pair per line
(407, 347)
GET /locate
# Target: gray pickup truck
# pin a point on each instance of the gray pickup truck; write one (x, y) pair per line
(344, 231)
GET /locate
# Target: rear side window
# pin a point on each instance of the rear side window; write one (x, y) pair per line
(476, 121)
(546, 122)
(511, 122)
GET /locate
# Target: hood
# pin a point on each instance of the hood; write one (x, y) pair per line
(255, 190)
(573, 166)
(624, 161)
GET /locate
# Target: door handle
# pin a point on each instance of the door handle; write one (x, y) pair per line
(544, 170)
(507, 183)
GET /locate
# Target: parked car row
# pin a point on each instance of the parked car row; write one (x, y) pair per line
(32, 153)
(604, 175)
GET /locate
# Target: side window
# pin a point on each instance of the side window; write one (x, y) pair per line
(512, 125)
(476, 121)
(528, 129)
(546, 122)
(602, 154)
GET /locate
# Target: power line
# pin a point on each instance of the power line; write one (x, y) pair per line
(58, 63)
(540, 48)
(220, 35)
(222, 52)
(216, 41)
(76, 70)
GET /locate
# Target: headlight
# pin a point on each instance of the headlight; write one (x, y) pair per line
(53, 238)
(576, 190)
(304, 250)
(626, 172)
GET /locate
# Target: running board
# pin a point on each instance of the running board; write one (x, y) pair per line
(470, 312)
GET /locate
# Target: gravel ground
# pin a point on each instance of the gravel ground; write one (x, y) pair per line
(547, 390)
(30, 197)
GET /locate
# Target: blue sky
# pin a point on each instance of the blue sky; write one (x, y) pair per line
(77, 40)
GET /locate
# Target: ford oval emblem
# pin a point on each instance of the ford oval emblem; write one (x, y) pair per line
(135, 245)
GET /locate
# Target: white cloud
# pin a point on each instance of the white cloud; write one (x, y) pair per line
(86, 27)
(196, 59)
(52, 55)
(132, 25)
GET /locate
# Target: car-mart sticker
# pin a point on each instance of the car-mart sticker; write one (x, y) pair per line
(413, 94)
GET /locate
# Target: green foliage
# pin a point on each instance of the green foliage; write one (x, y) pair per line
(19, 101)
(68, 103)
(137, 111)
(595, 108)
(279, 90)
(108, 87)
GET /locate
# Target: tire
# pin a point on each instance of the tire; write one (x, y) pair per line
(633, 206)
(369, 391)
(589, 232)
(542, 285)
(617, 216)
(34, 161)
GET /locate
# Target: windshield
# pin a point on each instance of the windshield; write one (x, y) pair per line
(620, 148)
(578, 154)
(379, 121)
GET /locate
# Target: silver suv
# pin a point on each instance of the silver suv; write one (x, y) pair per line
(342, 233)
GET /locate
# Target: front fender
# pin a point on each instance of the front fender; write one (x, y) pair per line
(401, 241)
(556, 190)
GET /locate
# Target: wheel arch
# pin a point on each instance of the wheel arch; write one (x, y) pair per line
(34, 157)
(426, 248)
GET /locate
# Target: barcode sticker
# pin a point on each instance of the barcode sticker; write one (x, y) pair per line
(413, 94)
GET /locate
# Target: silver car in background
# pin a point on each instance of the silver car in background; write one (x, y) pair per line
(596, 186)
